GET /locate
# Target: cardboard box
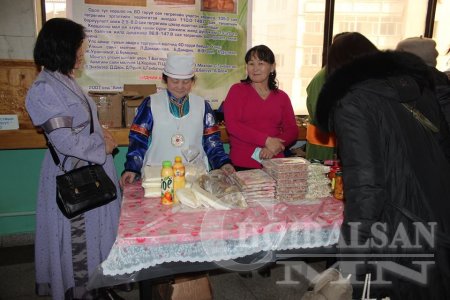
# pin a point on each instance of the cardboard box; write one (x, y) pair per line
(109, 107)
(192, 288)
(133, 94)
(118, 109)
(184, 287)
(131, 107)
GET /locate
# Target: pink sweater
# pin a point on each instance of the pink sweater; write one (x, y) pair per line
(249, 120)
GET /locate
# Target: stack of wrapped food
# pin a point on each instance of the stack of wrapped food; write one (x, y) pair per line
(255, 184)
(290, 174)
(151, 181)
(319, 185)
(283, 179)
(297, 179)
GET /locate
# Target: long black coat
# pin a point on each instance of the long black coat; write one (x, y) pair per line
(391, 160)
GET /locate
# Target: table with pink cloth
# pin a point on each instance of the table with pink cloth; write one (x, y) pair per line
(150, 234)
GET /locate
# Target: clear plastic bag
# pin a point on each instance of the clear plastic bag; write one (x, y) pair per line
(193, 171)
(192, 155)
(221, 186)
(194, 163)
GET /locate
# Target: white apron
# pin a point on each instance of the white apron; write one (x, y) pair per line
(165, 126)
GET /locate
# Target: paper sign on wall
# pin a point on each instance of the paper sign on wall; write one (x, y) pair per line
(129, 43)
(8, 122)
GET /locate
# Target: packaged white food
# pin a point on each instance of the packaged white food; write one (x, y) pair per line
(208, 199)
(151, 181)
(152, 192)
(151, 174)
(187, 197)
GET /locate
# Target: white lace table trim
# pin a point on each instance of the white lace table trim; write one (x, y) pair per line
(132, 258)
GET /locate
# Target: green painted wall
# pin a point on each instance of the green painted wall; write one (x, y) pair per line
(19, 183)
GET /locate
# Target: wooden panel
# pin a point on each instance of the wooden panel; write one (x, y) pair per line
(120, 135)
(21, 139)
(30, 138)
(16, 77)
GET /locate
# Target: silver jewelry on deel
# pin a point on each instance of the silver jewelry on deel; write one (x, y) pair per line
(177, 140)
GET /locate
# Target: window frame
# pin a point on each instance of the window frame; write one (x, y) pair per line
(329, 20)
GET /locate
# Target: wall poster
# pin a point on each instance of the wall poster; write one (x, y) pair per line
(129, 41)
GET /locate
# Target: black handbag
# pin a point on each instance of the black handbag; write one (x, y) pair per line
(84, 188)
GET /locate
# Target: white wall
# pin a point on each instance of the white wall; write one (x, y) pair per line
(17, 29)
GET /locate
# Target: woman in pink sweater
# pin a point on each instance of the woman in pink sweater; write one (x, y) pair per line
(259, 117)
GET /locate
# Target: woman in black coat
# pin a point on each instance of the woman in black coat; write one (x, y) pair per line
(393, 145)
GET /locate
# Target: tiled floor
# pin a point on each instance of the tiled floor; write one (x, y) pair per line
(17, 280)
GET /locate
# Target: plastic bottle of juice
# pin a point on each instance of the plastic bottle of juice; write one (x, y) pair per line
(338, 186)
(179, 180)
(167, 183)
(333, 170)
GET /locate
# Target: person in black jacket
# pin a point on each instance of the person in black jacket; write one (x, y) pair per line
(425, 48)
(393, 143)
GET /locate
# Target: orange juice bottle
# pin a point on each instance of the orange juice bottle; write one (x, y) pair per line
(167, 183)
(332, 174)
(338, 186)
(179, 180)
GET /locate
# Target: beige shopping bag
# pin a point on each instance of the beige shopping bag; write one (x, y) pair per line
(329, 285)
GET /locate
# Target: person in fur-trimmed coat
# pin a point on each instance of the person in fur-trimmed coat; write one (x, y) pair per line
(394, 147)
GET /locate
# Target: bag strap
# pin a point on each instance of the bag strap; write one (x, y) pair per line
(52, 150)
(421, 118)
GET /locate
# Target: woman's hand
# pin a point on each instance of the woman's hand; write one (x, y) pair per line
(274, 145)
(265, 153)
(228, 169)
(110, 143)
(107, 134)
(127, 177)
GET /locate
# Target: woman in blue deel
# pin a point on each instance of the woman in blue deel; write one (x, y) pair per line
(174, 122)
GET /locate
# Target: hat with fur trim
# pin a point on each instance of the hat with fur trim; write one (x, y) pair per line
(425, 48)
(179, 66)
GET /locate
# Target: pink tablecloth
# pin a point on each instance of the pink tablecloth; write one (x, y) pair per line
(151, 233)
